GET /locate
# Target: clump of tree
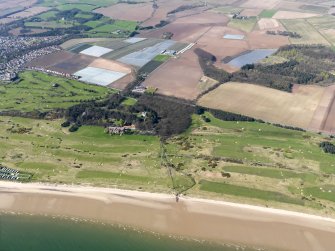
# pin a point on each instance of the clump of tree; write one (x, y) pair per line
(156, 114)
(305, 64)
(327, 147)
(206, 61)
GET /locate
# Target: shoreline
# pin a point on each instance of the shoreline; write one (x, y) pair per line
(219, 221)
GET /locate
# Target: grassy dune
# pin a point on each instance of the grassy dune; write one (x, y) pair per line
(266, 164)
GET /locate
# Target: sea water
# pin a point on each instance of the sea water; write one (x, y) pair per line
(38, 233)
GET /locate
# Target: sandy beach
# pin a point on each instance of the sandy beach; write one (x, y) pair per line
(190, 217)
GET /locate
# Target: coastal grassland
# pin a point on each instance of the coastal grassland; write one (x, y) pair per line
(249, 162)
(309, 34)
(246, 25)
(89, 155)
(35, 91)
(264, 162)
(267, 13)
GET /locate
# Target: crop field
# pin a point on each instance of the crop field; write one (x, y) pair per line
(62, 61)
(123, 11)
(295, 109)
(51, 24)
(309, 34)
(322, 23)
(78, 3)
(177, 77)
(227, 9)
(36, 91)
(79, 6)
(140, 58)
(246, 25)
(122, 49)
(46, 15)
(116, 25)
(267, 13)
(293, 15)
(314, 8)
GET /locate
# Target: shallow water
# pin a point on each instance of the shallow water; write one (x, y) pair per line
(251, 57)
(18, 233)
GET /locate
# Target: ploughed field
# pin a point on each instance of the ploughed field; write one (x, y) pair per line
(239, 161)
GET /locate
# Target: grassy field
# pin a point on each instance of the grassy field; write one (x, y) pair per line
(51, 24)
(129, 101)
(81, 6)
(47, 15)
(116, 25)
(246, 25)
(309, 33)
(35, 91)
(266, 165)
(267, 13)
(78, 3)
(161, 58)
(227, 10)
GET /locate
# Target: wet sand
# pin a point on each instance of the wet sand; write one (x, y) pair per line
(196, 218)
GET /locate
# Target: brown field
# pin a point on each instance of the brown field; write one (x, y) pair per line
(293, 15)
(214, 43)
(295, 109)
(189, 29)
(260, 4)
(260, 40)
(17, 31)
(270, 24)
(330, 34)
(324, 116)
(133, 12)
(110, 65)
(123, 82)
(7, 20)
(288, 5)
(164, 7)
(63, 61)
(251, 12)
(73, 42)
(179, 77)
(16, 3)
(29, 12)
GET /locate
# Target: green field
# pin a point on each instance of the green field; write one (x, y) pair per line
(129, 101)
(246, 25)
(267, 13)
(51, 24)
(46, 15)
(161, 58)
(310, 35)
(227, 10)
(81, 6)
(35, 91)
(97, 23)
(116, 25)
